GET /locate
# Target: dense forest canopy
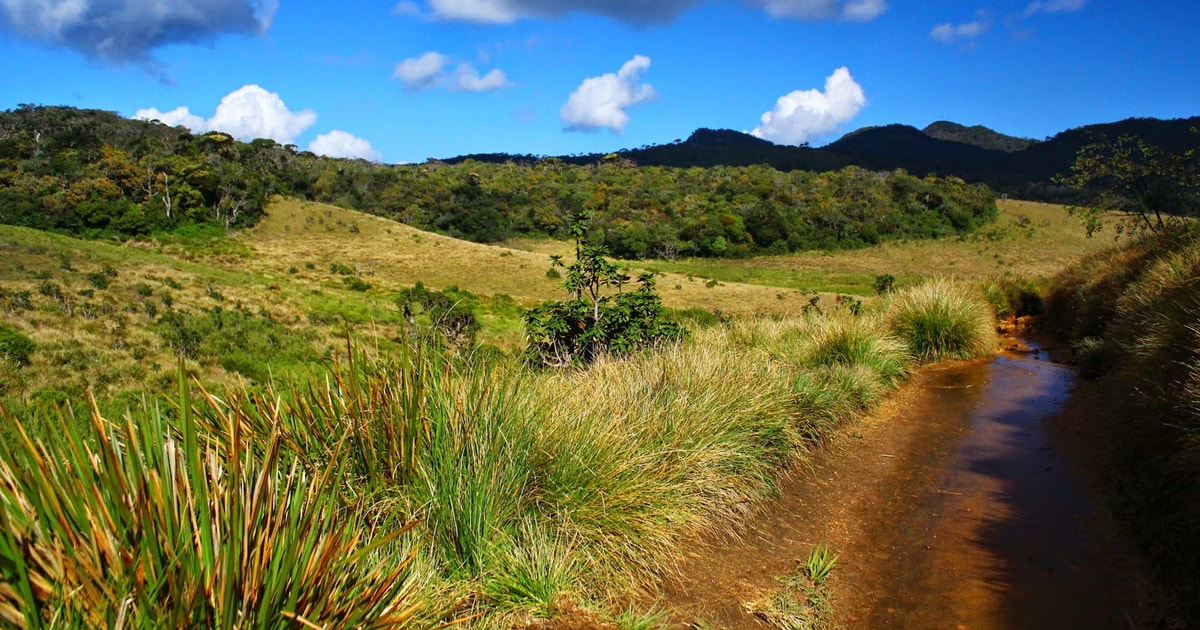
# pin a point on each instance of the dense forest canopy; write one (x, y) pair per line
(94, 173)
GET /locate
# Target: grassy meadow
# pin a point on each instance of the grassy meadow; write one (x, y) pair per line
(309, 462)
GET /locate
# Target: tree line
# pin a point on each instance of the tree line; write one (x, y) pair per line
(96, 174)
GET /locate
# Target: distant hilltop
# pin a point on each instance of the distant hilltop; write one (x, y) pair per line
(1020, 167)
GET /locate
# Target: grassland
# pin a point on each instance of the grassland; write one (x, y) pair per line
(538, 493)
(1029, 240)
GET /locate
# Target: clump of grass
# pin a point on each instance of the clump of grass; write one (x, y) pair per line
(862, 341)
(943, 320)
(150, 524)
(802, 601)
(1131, 313)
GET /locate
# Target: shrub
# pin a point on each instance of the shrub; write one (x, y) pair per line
(15, 345)
(354, 283)
(940, 319)
(884, 284)
(593, 322)
(98, 279)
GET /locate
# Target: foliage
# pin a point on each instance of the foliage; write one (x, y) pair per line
(940, 320)
(236, 339)
(1130, 313)
(594, 322)
(93, 173)
(1155, 187)
(15, 345)
(884, 283)
(449, 313)
(147, 524)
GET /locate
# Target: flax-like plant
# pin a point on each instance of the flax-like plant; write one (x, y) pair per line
(147, 524)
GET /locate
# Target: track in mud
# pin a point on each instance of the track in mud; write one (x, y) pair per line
(953, 507)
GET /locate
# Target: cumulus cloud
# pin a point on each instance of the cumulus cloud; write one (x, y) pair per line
(467, 79)
(640, 12)
(431, 70)
(600, 102)
(1054, 6)
(247, 113)
(340, 144)
(420, 72)
(950, 33)
(805, 114)
(856, 10)
(119, 31)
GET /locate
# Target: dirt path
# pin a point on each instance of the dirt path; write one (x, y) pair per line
(951, 507)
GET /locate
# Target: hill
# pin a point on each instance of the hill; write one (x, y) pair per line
(977, 135)
(1018, 167)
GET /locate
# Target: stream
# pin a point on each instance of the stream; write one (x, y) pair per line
(955, 508)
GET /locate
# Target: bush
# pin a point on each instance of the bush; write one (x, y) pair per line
(939, 320)
(15, 345)
(354, 283)
(593, 323)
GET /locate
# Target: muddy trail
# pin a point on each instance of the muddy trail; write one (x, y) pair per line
(955, 505)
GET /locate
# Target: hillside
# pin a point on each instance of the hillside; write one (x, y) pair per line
(977, 135)
(1015, 166)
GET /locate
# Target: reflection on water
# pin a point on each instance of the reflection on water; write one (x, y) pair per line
(998, 538)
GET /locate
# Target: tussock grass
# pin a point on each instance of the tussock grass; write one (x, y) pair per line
(943, 320)
(1133, 313)
(533, 493)
(147, 524)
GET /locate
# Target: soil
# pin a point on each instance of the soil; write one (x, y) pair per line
(957, 504)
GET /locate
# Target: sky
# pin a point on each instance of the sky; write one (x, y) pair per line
(402, 81)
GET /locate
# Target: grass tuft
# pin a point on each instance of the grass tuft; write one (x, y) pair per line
(943, 320)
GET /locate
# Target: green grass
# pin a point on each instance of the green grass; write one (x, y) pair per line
(1131, 313)
(801, 601)
(942, 320)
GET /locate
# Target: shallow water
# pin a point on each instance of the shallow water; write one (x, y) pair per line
(953, 507)
(1001, 538)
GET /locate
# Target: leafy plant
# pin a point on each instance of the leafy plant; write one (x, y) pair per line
(15, 345)
(821, 562)
(594, 322)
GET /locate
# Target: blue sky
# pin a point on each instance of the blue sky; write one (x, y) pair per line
(406, 80)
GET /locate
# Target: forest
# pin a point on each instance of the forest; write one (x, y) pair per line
(94, 173)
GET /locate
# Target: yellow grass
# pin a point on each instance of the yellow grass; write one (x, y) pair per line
(391, 256)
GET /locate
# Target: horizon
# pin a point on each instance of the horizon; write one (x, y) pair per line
(400, 82)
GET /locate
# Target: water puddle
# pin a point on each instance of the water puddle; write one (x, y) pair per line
(955, 509)
(1001, 537)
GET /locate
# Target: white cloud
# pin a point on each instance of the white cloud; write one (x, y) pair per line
(420, 72)
(430, 70)
(128, 30)
(802, 115)
(176, 117)
(1054, 6)
(340, 144)
(949, 33)
(630, 11)
(600, 102)
(857, 10)
(247, 113)
(467, 79)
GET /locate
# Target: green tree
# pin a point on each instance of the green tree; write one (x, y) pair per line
(594, 321)
(1154, 187)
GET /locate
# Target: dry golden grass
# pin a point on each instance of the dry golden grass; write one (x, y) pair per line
(1033, 240)
(391, 256)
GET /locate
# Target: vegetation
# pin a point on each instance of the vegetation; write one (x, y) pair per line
(594, 323)
(529, 501)
(1131, 313)
(802, 601)
(93, 173)
(938, 321)
(1156, 188)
